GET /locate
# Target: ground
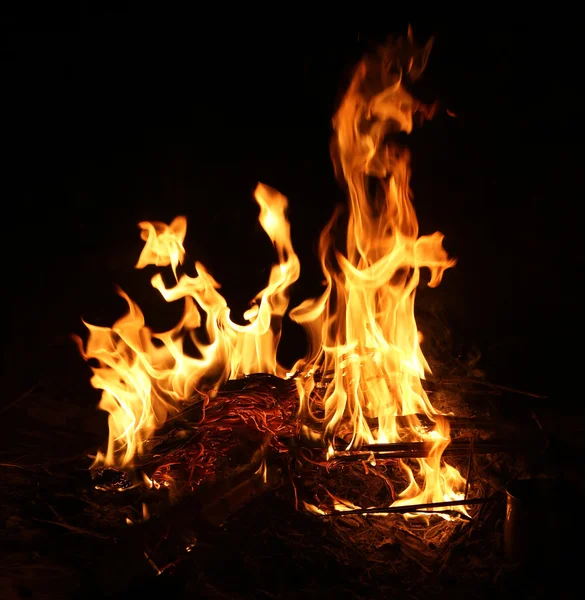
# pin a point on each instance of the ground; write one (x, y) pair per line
(65, 539)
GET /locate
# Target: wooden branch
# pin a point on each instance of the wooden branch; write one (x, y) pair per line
(165, 539)
(455, 422)
(423, 449)
(441, 381)
(427, 508)
(229, 499)
(450, 381)
(504, 428)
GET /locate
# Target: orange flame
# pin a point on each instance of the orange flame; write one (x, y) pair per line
(164, 243)
(145, 375)
(365, 364)
(362, 329)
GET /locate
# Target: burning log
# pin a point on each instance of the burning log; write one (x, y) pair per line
(229, 495)
(455, 422)
(458, 447)
(428, 508)
(169, 536)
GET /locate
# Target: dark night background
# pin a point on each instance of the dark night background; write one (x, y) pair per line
(115, 118)
(112, 122)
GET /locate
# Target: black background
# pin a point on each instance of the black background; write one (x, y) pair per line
(113, 121)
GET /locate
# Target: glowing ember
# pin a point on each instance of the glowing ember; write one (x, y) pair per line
(365, 366)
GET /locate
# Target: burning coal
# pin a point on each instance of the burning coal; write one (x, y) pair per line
(361, 382)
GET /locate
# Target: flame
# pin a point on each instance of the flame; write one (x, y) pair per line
(365, 363)
(164, 243)
(363, 333)
(145, 376)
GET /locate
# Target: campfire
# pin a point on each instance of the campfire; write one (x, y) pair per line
(360, 432)
(226, 459)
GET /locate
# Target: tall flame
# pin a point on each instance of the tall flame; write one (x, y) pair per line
(364, 338)
(145, 375)
(365, 363)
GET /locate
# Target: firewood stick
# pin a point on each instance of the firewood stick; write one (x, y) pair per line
(495, 386)
(219, 510)
(442, 381)
(455, 422)
(424, 449)
(457, 444)
(216, 500)
(166, 539)
(428, 508)
(469, 465)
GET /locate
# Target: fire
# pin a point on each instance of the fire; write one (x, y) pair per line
(365, 364)
(164, 244)
(365, 342)
(144, 376)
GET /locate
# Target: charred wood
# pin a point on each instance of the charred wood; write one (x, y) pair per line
(463, 447)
